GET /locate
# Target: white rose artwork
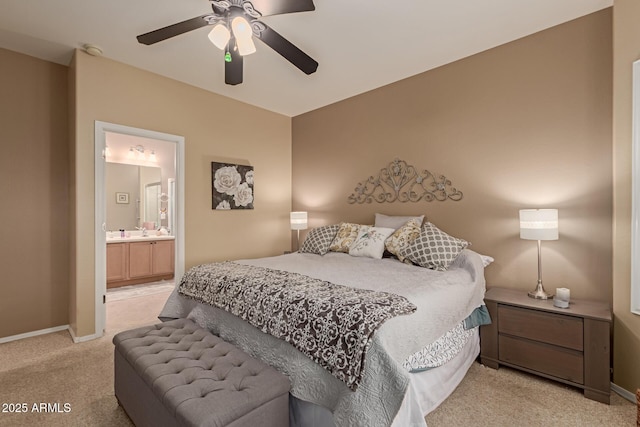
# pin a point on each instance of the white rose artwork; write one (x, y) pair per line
(232, 186)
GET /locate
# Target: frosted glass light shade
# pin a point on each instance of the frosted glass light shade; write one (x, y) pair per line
(244, 36)
(220, 36)
(539, 224)
(298, 220)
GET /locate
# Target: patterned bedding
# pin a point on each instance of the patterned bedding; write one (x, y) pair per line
(440, 351)
(332, 324)
(443, 300)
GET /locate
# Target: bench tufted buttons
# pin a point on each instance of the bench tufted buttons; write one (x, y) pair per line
(185, 366)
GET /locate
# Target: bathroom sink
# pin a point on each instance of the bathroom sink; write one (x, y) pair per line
(138, 238)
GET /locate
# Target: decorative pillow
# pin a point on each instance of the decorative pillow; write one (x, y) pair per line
(370, 241)
(395, 222)
(486, 260)
(319, 239)
(433, 248)
(347, 233)
(403, 236)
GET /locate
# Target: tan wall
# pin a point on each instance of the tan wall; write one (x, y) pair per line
(73, 250)
(626, 36)
(215, 129)
(34, 289)
(527, 124)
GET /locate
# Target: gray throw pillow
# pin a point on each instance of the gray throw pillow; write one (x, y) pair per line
(319, 239)
(433, 248)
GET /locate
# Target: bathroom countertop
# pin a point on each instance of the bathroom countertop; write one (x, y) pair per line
(138, 238)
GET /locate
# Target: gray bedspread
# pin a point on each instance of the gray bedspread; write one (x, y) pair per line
(443, 299)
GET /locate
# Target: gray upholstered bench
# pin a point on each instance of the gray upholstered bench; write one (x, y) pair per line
(178, 374)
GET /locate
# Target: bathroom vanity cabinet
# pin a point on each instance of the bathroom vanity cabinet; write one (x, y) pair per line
(130, 263)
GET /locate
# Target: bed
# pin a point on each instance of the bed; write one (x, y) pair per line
(402, 378)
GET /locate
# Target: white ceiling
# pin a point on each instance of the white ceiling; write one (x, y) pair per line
(360, 44)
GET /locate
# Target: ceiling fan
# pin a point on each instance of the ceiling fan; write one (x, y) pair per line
(235, 23)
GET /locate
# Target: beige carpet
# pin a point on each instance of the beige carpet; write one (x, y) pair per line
(506, 397)
(50, 369)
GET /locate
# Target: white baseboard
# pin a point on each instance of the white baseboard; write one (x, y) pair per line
(624, 393)
(83, 338)
(34, 333)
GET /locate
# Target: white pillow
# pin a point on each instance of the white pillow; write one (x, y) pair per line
(394, 221)
(486, 260)
(370, 241)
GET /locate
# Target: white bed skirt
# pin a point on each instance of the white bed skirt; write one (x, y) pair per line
(426, 391)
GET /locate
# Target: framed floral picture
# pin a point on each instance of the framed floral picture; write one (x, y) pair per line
(232, 186)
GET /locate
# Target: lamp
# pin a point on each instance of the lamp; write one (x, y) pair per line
(539, 224)
(298, 222)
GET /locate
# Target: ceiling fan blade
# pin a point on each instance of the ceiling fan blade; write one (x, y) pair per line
(278, 7)
(233, 69)
(174, 30)
(284, 47)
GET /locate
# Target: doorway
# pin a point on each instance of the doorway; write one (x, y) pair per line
(143, 148)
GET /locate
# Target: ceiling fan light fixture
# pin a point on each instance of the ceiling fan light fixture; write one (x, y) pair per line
(243, 35)
(220, 36)
(245, 47)
(234, 23)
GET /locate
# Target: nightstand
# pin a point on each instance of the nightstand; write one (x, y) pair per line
(571, 345)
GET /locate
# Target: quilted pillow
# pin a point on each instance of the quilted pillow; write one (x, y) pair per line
(403, 236)
(433, 248)
(347, 234)
(370, 241)
(319, 239)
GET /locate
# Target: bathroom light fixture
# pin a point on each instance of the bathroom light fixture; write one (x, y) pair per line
(298, 222)
(138, 152)
(539, 224)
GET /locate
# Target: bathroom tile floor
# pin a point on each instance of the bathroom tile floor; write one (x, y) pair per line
(134, 291)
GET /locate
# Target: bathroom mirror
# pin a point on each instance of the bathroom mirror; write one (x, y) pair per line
(133, 196)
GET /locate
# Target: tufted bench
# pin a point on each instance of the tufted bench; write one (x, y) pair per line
(179, 374)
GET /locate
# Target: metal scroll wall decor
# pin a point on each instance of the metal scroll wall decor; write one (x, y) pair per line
(401, 182)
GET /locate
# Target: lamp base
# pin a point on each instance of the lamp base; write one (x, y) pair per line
(540, 293)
